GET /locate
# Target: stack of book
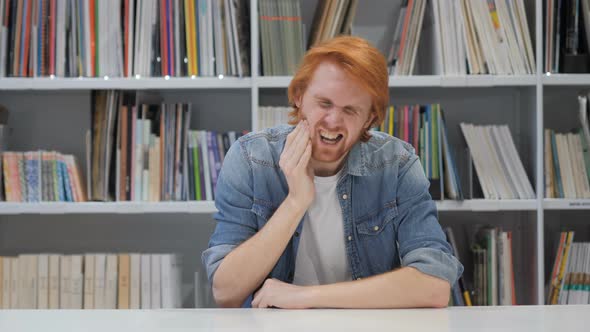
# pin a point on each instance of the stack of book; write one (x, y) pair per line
(423, 126)
(124, 38)
(91, 281)
(281, 36)
(41, 176)
(567, 159)
(332, 18)
(146, 152)
(404, 47)
(493, 274)
(482, 37)
(270, 116)
(460, 295)
(570, 277)
(499, 169)
(567, 29)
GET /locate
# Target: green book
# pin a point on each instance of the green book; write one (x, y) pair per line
(422, 148)
(197, 170)
(434, 138)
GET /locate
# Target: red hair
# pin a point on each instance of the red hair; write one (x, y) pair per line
(361, 61)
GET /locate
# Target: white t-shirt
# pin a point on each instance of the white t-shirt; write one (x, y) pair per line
(321, 255)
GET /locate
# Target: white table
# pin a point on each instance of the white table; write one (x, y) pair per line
(520, 319)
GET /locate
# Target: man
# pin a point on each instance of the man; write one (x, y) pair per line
(328, 214)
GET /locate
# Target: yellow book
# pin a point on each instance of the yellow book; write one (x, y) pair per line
(568, 246)
(467, 299)
(187, 27)
(391, 113)
(194, 53)
(124, 290)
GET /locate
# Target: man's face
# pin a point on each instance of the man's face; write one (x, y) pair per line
(338, 111)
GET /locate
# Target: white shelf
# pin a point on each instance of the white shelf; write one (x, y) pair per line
(109, 208)
(566, 79)
(273, 81)
(461, 81)
(425, 81)
(487, 205)
(88, 83)
(566, 204)
(209, 207)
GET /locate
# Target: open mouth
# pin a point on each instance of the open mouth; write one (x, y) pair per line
(330, 138)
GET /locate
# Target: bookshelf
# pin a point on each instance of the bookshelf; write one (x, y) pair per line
(159, 83)
(54, 113)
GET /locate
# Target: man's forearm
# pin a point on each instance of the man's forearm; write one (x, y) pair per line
(402, 288)
(246, 267)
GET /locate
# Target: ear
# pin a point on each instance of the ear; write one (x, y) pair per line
(298, 100)
(369, 121)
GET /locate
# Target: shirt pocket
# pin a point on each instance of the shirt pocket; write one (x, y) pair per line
(374, 223)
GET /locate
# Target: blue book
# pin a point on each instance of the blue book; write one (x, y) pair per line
(32, 175)
(57, 175)
(449, 163)
(67, 182)
(428, 142)
(22, 70)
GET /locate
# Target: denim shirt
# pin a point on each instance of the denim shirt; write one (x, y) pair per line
(390, 219)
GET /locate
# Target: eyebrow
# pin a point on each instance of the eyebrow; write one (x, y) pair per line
(351, 107)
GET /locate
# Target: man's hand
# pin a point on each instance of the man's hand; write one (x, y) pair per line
(295, 164)
(275, 293)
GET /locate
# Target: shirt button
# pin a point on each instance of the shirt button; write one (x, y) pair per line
(376, 228)
(349, 238)
(345, 196)
(296, 234)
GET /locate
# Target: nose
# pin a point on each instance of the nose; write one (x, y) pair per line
(333, 117)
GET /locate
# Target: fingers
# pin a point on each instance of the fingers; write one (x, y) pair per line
(256, 299)
(305, 157)
(297, 147)
(291, 137)
(299, 144)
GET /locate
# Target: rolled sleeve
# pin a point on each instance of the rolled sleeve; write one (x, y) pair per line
(236, 222)
(422, 242)
(212, 258)
(434, 262)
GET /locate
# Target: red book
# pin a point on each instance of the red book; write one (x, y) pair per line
(509, 234)
(163, 38)
(405, 32)
(133, 163)
(171, 39)
(52, 22)
(27, 27)
(92, 15)
(126, 45)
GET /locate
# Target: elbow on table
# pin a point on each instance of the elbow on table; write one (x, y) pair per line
(225, 296)
(440, 295)
(224, 299)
